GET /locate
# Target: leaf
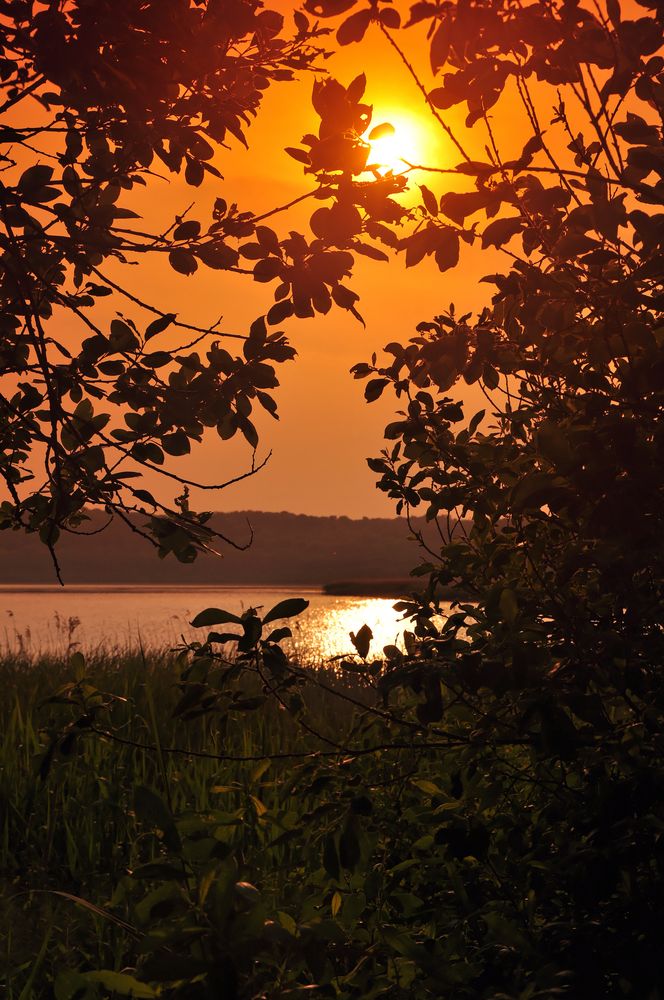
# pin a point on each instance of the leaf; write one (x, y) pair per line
(354, 27)
(367, 250)
(289, 608)
(122, 336)
(278, 634)
(440, 98)
(380, 131)
(248, 891)
(262, 768)
(429, 199)
(70, 985)
(215, 616)
(77, 664)
(447, 250)
(458, 207)
(573, 244)
(349, 846)
(490, 377)
(356, 88)
(153, 811)
(223, 637)
(613, 10)
(553, 443)
(182, 261)
(420, 244)
(252, 251)
(536, 489)
(248, 430)
(475, 422)
(98, 911)
(279, 312)
(362, 641)
(191, 698)
(428, 787)
(508, 605)
(328, 8)
(431, 710)
(300, 155)
(159, 325)
(330, 857)
(390, 17)
(533, 145)
(120, 982)
(440, 47)
(404, 945)
(636, 130)
(194, 173)
(157, 359)
(374, 389)
(176, 443)
(501, 231)
(187, 230)
(34, 178)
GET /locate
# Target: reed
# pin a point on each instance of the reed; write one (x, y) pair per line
(75, 831)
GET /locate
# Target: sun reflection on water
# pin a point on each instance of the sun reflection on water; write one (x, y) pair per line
(42, 618)
(324, 631)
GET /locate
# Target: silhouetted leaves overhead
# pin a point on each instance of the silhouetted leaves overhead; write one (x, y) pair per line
(157, 89)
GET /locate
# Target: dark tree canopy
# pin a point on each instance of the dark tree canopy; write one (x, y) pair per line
(552, 494)
(537, 701)
(98, 98)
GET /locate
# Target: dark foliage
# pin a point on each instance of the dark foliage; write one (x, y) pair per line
(99, 99)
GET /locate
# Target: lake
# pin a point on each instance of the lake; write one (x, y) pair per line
(53, 619)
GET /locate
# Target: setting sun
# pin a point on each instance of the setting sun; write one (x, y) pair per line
(398, 140)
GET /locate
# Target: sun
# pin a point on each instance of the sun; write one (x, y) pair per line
(400, 139)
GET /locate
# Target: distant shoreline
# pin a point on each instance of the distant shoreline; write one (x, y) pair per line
(287, 550)
(155, 588)
(387, 588)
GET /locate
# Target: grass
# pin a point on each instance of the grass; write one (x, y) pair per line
(403, 867)
(74, 830)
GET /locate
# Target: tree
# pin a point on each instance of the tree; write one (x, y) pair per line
(552, 495)
(517, 851)
(97, 99)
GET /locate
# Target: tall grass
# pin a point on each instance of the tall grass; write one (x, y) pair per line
(74, 830)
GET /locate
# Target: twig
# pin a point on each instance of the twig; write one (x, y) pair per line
(434, 111)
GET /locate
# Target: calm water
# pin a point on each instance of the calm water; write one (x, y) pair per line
(51, 618)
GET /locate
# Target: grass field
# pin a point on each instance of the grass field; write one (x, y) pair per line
(333, 839)
(74, 829)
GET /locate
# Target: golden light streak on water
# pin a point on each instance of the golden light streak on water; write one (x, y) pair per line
(53, 619)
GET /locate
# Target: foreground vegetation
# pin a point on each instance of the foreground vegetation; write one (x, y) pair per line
(70, 827)
(193, 826)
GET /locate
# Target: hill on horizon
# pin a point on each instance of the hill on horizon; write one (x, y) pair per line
(286, 549)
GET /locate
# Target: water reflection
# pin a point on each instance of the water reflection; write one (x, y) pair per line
(52, 619)
(324, 630)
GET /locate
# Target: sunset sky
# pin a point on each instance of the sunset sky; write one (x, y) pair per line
(326, 430)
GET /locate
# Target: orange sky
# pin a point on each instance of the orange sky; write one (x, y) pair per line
(326, 430)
